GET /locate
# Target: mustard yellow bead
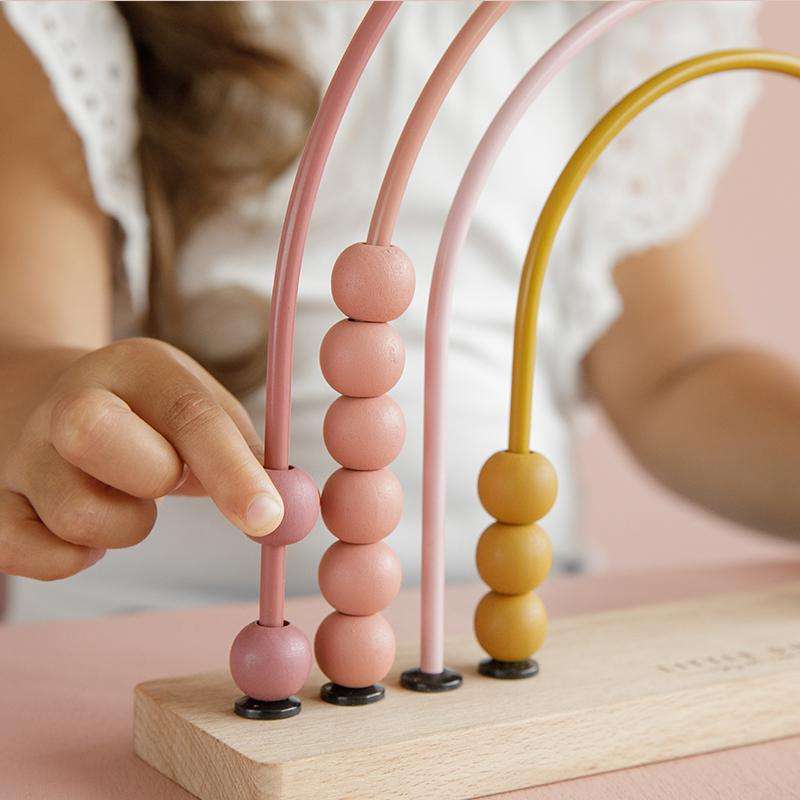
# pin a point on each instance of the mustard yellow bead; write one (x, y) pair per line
(517, 488)
(513, 559)
(510, 627)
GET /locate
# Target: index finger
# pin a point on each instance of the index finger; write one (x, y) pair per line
(181, 407)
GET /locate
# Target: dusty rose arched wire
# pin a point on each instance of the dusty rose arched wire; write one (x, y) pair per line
(383, 220)
(412, 137)
(287, 275)
(440, 301)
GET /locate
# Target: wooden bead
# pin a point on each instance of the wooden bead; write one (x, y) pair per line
(354, 651)
(510, 627)
(513, 559)
(362, 507)
(359, 579)
(300, 506)
(362, 359)
(270, 663)
(364, 433)
(517, 488)
(372, 283)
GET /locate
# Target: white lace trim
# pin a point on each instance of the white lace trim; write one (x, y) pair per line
(657, 179)
(86, 52)
(650, 186)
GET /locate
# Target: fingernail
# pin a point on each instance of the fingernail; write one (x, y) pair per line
(184, 477)
(264, 514)
(96, 554)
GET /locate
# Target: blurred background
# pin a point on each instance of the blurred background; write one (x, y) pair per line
(631, 522)
(754, 224)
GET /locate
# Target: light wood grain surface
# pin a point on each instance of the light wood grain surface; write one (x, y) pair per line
(617, 689)
(66, 713)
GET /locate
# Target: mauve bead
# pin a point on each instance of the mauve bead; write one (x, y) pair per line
(270, 663)
(362, 359)
(354, 651)
(362, 507)
(359, 579)
(364, 433)
(373, 283)
(300, 506)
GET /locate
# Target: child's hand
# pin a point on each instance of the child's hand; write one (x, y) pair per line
(113, 435)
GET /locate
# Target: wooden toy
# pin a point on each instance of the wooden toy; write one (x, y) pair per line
(616, 689)
(374, 282)
(705, 674)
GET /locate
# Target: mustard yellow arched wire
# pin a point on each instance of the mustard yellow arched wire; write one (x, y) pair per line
(567, 185)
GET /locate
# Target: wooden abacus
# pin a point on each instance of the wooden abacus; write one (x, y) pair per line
(553, 728)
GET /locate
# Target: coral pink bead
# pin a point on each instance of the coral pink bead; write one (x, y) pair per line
(354, 651)
(359, 579)
(373, 283)
(362, 359)
(270, 663)
(364, 432)
(362, 507)
(300, 506)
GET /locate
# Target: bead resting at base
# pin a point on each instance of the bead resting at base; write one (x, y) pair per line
(513, 557)
(354, 652)
(510, 627)
(269, 664)
(362, 357)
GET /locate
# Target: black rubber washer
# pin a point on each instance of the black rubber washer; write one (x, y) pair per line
(345, 696)
(249, 708)
(509, 670)
(419, 681)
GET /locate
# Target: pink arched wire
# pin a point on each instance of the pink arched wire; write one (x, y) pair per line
(287, 275)
(433, 94)
(440, 301)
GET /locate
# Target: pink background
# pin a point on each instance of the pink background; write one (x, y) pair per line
(754, 224)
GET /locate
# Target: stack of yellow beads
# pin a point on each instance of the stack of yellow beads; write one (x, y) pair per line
(514, 556)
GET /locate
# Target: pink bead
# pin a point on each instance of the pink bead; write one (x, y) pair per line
(354, 651)
(373, 283)
(364, 432)
(359, 579)
(270, 663)
(362, 359)
(362, 507)
(300, 503)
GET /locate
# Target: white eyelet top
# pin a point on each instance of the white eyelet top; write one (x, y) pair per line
(650, 186)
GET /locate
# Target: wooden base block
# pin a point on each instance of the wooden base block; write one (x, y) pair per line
(615, 690)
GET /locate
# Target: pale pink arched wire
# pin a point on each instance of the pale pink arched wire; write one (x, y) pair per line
(440, 301)
(412, 137)
(287, 275)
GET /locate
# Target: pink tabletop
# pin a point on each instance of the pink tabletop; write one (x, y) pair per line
(65, 693)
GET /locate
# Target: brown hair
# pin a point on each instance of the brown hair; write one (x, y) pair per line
(220, 117)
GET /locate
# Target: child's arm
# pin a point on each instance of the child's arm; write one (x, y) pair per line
(712, 418)
(90, 432)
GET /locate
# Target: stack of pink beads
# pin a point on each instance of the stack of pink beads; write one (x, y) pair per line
(362, 357)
